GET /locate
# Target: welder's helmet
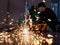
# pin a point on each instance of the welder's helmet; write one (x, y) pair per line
(34, 8)
(41, 4)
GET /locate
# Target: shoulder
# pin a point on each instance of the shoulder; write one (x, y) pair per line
(48, 9)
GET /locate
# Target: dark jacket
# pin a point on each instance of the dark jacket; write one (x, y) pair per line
(46, 15)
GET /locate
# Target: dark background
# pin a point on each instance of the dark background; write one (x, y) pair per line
(16, 7)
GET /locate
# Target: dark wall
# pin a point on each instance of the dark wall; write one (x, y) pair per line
(58, 7)
(59, 11)
(16, 7)
(3, 4)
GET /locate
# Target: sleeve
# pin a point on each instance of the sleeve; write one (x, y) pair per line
(53, 17)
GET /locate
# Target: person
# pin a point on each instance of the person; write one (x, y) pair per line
(47, 16)
(33, 13)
